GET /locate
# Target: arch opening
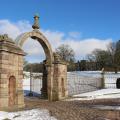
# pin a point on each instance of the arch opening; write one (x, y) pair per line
(47, 64)
(35, 35)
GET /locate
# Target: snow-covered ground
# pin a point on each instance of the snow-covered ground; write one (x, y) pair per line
(34, 114)
(36, 83)
(81, 82)
(78, 81)
(99, 94)
(86, 81)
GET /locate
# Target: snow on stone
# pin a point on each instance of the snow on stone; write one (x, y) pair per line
(34, 114)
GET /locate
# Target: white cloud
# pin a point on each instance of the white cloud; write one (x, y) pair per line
(82, 47)
(74, 34)
(14, 29)
(9, 28)
(56, 38)
(33, 47)
(86, 46)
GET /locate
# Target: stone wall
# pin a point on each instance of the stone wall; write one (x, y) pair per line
(11, 74)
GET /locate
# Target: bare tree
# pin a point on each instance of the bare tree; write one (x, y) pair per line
(114, 51)
(100, 57)
(109, 57)
(66, 53)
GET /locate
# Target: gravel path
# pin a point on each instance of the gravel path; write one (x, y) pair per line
(76, 110)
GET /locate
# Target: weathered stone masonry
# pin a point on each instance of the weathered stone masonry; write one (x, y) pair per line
(11, 74)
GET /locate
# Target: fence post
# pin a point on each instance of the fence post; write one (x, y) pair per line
(102, 79)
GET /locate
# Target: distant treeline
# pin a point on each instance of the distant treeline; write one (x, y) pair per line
(34, 67)
(98, 59)
(83, 65)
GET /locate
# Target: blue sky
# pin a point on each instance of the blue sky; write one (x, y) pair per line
(93, 19)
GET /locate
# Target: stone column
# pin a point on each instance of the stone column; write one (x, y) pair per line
(50, 69)
(44, 92)
(59, 79)
(11, 74)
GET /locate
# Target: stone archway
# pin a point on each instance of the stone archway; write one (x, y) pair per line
(37, 35)
(56, 69)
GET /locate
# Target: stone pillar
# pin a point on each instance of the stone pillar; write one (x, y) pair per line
(50, 69)
(11, 74)
(59, 79)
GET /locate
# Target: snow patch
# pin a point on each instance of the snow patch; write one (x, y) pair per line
(34, 114)
(99, 94)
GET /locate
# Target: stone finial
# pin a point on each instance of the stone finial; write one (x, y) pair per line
(4, 37)
(57, 57)
(36, 22)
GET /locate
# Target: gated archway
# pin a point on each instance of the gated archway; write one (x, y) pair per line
(36, 35)
(54, 87)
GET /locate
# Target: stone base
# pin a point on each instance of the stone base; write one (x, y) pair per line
(13, 108)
